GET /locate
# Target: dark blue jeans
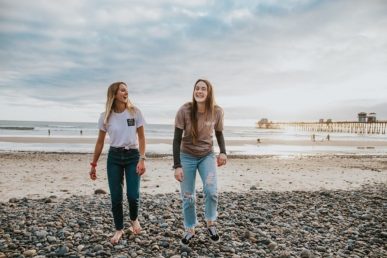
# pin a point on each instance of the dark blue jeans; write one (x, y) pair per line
(120, 164)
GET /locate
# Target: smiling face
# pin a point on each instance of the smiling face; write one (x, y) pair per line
(200, 92)
(122, 94)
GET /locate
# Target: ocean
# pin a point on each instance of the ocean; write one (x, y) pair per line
(246, 136)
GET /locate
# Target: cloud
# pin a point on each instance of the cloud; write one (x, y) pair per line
(277, 59)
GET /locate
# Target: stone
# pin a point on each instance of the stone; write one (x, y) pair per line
(305, 253)
(100, 191)
(29, 253)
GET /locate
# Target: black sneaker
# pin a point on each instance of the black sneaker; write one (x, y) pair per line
(213, 234)
(186, 238)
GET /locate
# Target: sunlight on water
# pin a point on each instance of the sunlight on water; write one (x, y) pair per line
(64, 130)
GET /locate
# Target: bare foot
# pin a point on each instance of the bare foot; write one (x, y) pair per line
(135, 228)
(117, 237)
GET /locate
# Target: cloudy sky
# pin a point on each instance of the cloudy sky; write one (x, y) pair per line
(286, 60)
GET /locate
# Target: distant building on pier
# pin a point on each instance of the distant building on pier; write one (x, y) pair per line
(264, 123)
(322, 121)
(371, 118)
(362, 117)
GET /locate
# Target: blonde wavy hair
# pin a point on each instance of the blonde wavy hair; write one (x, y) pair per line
(111, 93)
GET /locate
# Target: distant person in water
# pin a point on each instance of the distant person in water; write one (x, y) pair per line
(49, 132)
(195, 124)
(126, 158)
(328, 137)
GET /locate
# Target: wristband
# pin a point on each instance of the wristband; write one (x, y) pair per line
(93, 164)
(142, 157)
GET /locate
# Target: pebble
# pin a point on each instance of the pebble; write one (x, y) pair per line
(305, 253)
(98, 248)
(254, 224)
(100, 191)
(272, 246)
(29, 253)
(62, 250)
(41, 233)
(119, 247)
(284, 254)
(321, 249)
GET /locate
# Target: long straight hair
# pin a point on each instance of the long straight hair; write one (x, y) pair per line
(209, 108)
(111, 93)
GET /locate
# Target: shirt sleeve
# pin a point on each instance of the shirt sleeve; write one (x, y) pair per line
(180, 119)
(140, 121)
(219, 120)
(176, 147)
(101, 126)
(221, 143)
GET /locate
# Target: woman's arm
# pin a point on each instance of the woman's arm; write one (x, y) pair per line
(222, 158)
(141, 140)
(97, 152)
(141, 143)
(179, 175)
(220, 140)
(176, 147)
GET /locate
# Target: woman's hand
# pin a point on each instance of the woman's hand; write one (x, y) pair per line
(221, 159)
(141, 167)
(93, 173)
(179, 174)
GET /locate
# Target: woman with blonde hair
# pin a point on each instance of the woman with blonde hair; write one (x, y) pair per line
(126, 158)
(193, 152)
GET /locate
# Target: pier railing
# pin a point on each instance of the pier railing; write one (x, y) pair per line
(378, 127)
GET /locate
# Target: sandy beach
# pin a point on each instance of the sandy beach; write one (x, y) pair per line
(38, 175)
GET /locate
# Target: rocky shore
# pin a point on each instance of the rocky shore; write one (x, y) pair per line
(252, 224)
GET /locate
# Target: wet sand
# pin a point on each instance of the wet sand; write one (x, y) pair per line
(230, 142)
(40, 174)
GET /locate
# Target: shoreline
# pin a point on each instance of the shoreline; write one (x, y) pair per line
(229, 156)
(229, 142)
(243, 147)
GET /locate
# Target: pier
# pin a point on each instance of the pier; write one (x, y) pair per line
(377, 127)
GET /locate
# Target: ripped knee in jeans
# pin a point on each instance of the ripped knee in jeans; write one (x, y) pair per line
(210, 179)
(188, 197)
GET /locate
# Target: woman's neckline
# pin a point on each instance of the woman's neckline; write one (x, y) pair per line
(119, 112)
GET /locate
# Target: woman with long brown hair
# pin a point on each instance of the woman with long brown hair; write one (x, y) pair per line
(193, 151)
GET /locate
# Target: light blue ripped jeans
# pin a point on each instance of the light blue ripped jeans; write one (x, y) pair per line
(207, 171)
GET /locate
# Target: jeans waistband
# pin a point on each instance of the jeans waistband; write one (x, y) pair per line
(121, 149)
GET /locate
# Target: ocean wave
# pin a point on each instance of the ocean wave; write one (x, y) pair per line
(16, 128)
(63, 126)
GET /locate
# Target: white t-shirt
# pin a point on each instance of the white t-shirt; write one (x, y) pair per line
(122, 128)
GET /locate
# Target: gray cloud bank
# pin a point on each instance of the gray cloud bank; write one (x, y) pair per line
(285, 60)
